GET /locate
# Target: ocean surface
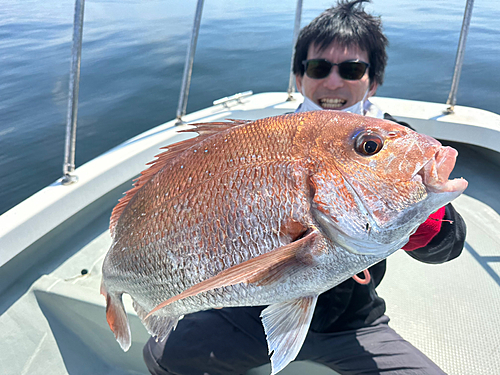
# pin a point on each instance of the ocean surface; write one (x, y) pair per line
(133, 57)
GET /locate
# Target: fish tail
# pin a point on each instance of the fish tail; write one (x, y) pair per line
(117, 318)
(158, 326)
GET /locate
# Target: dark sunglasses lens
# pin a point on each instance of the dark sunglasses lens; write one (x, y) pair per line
(352, 70)
(318, 69)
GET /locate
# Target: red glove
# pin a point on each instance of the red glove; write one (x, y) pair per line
(426, 231)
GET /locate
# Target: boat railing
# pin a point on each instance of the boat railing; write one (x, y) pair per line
(296, 29)
(71, 123)
(188, 66)
(74, 83)
(452, 98)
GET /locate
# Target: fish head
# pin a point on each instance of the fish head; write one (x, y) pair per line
(376, 181)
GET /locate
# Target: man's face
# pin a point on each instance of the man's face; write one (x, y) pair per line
(334, 92)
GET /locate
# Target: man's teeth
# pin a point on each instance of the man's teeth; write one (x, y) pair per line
(332, 103)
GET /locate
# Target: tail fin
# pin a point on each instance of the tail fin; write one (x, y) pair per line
(117, 318)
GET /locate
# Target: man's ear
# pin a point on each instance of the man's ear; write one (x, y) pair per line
(298, 82)
(373, 89)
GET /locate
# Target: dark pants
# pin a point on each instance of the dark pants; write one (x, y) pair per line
(232, 341)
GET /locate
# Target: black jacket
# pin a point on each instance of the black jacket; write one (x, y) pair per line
(351, 305)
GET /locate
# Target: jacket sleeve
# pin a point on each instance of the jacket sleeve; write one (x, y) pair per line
(448, 243)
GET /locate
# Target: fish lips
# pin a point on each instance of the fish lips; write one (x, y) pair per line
(436, 172)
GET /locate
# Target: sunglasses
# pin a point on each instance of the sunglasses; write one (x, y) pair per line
(349, 70)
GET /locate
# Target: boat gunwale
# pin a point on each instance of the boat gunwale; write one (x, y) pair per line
(38, 215)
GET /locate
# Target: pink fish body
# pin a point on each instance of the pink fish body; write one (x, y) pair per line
(269, 212)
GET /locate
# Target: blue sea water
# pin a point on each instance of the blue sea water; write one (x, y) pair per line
(133, 56)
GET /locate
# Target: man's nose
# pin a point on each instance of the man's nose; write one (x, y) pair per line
(333, 81)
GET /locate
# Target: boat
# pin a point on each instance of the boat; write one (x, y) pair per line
(52, 244)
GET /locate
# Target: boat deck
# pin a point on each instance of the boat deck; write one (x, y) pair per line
(448, 311)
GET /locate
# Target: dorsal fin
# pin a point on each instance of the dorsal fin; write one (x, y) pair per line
(204, 130)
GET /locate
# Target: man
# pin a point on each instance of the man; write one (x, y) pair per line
(331, 38)
(339, 62)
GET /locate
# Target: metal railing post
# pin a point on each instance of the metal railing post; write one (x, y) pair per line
(452, 98)
(74, 83)
(296, 30)
(188, 66)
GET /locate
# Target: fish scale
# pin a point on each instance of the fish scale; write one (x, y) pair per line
(241, 234)
(270, 212)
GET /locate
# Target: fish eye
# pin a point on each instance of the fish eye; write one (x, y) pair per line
(368, 144)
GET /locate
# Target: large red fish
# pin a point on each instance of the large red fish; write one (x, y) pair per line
(269, 212)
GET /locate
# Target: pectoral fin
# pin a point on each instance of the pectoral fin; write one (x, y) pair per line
(264, 269)
(286, 325)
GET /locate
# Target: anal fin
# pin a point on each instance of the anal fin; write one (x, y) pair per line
(159, 327)
(286, 325)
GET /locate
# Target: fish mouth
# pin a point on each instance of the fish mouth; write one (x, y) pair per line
(330, 103)
(436, 172)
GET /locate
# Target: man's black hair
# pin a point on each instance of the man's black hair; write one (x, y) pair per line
(348, 25)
